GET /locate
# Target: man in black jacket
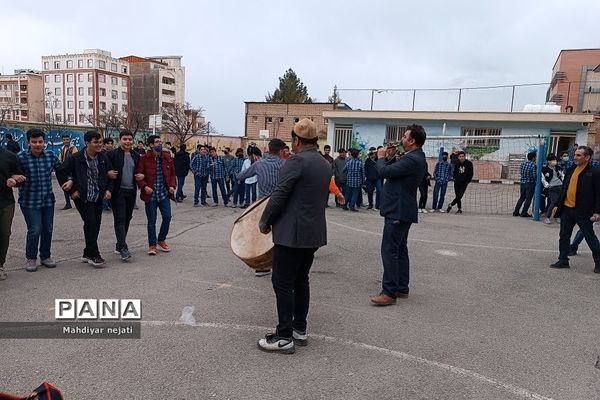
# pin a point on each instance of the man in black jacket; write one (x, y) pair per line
(85, 177)
(399, 208)
(123, 161)
(182, 167)
(296, 214)
(579, 203)
(11, 145)
(463, 175)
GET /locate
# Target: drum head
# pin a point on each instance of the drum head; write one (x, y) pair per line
(247, 242)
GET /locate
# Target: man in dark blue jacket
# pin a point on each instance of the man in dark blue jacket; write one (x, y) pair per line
(399, 208)
(373, 181)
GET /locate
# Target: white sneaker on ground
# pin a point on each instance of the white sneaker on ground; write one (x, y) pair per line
(424, 211)
(441, 210)
(547, 221)
(273, 343)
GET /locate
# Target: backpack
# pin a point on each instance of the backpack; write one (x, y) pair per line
(44, 392)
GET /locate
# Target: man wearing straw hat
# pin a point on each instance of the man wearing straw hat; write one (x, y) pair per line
(296, 215)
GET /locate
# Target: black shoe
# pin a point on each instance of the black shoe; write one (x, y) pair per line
(274, 343)
(560, 264)
(369, 207)
(525, 215)
(67, 207)
(96, 261)
(449, 209)
(572, 253)
(354, 209)
(516, 214)
(459, 211)
(597, 270)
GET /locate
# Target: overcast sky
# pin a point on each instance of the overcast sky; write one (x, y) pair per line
(234, 51)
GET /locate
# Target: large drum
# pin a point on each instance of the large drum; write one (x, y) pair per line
(247, 242)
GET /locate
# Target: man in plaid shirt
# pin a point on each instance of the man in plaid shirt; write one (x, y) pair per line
(528, 179)
(36, 199)
(216, 168)
(199, 167)
(356, 176)
(442, 174)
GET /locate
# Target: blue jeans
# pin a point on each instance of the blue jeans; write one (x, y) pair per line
(39, 226)
(394, 254)
(568, 219)
(250, 190)
(527, 192)
(238, 191)
(200, 183)
(439, 193)
(374, 186)
(351, 196)
(577, 240)
(180, 183)
(165, 211)
(215, 195)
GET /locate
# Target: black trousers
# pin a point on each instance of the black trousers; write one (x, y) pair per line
(459, 191)
(122, 207)
(290, 282)
(91, 214)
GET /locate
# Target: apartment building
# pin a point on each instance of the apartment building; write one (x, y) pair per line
(81, 88)
(156, 83)
(575, 86)
(21, 96)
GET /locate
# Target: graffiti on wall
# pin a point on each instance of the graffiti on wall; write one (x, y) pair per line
(53, 139)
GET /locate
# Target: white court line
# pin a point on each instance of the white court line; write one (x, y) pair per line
(480, 246)
(524, 393)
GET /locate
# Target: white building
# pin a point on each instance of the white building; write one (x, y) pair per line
(79, 88)
(21, 96)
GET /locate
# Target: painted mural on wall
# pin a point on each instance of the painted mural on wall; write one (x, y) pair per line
(53, 139)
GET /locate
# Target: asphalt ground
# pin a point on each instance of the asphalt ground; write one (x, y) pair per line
(486, 317)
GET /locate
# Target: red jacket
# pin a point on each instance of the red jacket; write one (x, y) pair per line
(147, 167)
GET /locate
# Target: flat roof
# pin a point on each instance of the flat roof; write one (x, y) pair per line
(462, 116)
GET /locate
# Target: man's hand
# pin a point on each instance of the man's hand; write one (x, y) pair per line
(67, 186)
(11, 183)
(148, 190)
(172, 190)
(595, 218)
(139, 177)
(381, 152)
(112, 174)
(107, 195)
(264, 228)
(75, 195)
(19, 178)
(340, 198)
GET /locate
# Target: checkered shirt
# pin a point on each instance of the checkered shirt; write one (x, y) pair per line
(160, 192)
(217, 167)
(528, 169)
(356, 172)
(442, 172)
(36, 191)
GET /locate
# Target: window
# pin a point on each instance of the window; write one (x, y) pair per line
(124, 95)
(81, 104)
(57, 78)
(114, 80)
(80, 91)
(114, 107)
(269, 120)
(79, 63)
(58, 117)
(57, 92)
(90, 104)
(70, 104)
(102, 105)
(124, 70)
(80, 77)
(69, 64)
(70, 118)
(47, 117)
(90, 77)
(56, 64)
(124, 108)
(24, 113)
(90, 63)
(296, 119)
(102, 92)
(342, 137)
(113, 67)
(168, 92)
(124, 82)
(46, 65)
(393, 133)
(254, 118)
(47, 103)
(69, 91)
(101, 64)
(47, 78)
(102, 78)
(69, 77)
(114, 94)
(486, 142)
(81, 117)
(280, 119)
(90, 91)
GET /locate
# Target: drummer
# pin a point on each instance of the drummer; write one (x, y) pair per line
(267, 171)
(296, 214)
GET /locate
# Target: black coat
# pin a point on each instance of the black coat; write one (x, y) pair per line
(587, 198)
(182, 163)
(75, 168)
(13, 146)
(116, 159)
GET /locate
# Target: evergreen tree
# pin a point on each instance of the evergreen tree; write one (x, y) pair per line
(291, 90)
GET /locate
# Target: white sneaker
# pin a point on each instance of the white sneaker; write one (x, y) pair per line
(547, 221)
(420, 210)
(300, 339)
(273, 343)
(424, 211)
(432, 210)
(441, 210)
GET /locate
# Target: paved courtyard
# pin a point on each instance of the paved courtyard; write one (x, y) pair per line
(486, 317)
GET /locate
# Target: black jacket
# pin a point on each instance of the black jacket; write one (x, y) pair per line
(116, 159)
(76, 168)
(587, 198)
(463, 173)
(13, 146)
(371, 169)
(182, 163)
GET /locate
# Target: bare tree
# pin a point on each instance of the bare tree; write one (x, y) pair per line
(182, 121)
(108, 120)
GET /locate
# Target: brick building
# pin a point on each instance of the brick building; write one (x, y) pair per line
(22, 96)
(575, 84)
(279, 118)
